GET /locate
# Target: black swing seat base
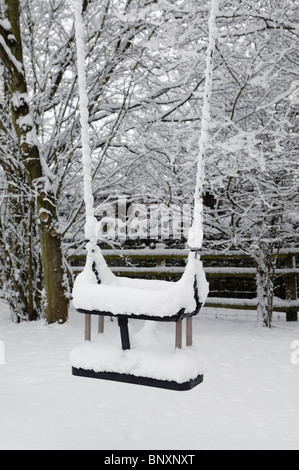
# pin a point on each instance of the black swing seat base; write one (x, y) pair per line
(170, 319)
(151, 362)
(132, 379)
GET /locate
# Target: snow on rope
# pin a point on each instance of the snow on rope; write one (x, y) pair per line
(84, 120)
(196, 231)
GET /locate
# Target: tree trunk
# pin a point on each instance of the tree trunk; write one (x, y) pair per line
(261, 297)
(291, 291)
(56, 308)
(265, 291)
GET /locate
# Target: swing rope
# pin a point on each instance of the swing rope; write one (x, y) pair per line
(90, 225)
(196, 232)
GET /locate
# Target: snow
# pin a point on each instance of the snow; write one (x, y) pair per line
(31, 138)
(141, 297)
(90, 227)
(18, 66)
(248, 400)
(84, 121)
(25, 122)
(277, 302)
(4, 23)
(148, 357)
(195, 237)
(19, 99)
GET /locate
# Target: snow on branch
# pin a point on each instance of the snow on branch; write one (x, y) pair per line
(8, 58)
(7, 39)
(5, 24)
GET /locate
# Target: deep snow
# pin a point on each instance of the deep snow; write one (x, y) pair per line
(249, 398)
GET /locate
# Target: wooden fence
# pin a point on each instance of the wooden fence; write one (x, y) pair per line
(232, 275)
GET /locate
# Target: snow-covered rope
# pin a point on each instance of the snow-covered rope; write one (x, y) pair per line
(84, 120)
(196, 232)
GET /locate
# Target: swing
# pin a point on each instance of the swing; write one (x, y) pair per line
(97, 291)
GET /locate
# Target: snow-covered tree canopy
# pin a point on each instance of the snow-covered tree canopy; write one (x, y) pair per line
(145, 81)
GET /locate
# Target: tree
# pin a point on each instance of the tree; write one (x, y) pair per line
(251, 171)
(38, 179)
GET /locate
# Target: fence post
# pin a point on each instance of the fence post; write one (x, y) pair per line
(291, 289)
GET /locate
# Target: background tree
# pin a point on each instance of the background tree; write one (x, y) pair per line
(253, 169)
(27, 153)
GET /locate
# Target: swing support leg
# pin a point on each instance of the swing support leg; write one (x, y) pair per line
(124, 332)
(189, 331)
(178, 334)
(101, 324)
(87, 327)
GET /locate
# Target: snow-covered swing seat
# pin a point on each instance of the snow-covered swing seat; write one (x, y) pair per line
(97, 291)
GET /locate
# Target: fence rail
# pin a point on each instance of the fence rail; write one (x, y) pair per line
(231, 274)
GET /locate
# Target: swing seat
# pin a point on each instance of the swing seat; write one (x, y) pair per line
(98, 291)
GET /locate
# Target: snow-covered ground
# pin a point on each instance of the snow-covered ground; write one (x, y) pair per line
(249, 398)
